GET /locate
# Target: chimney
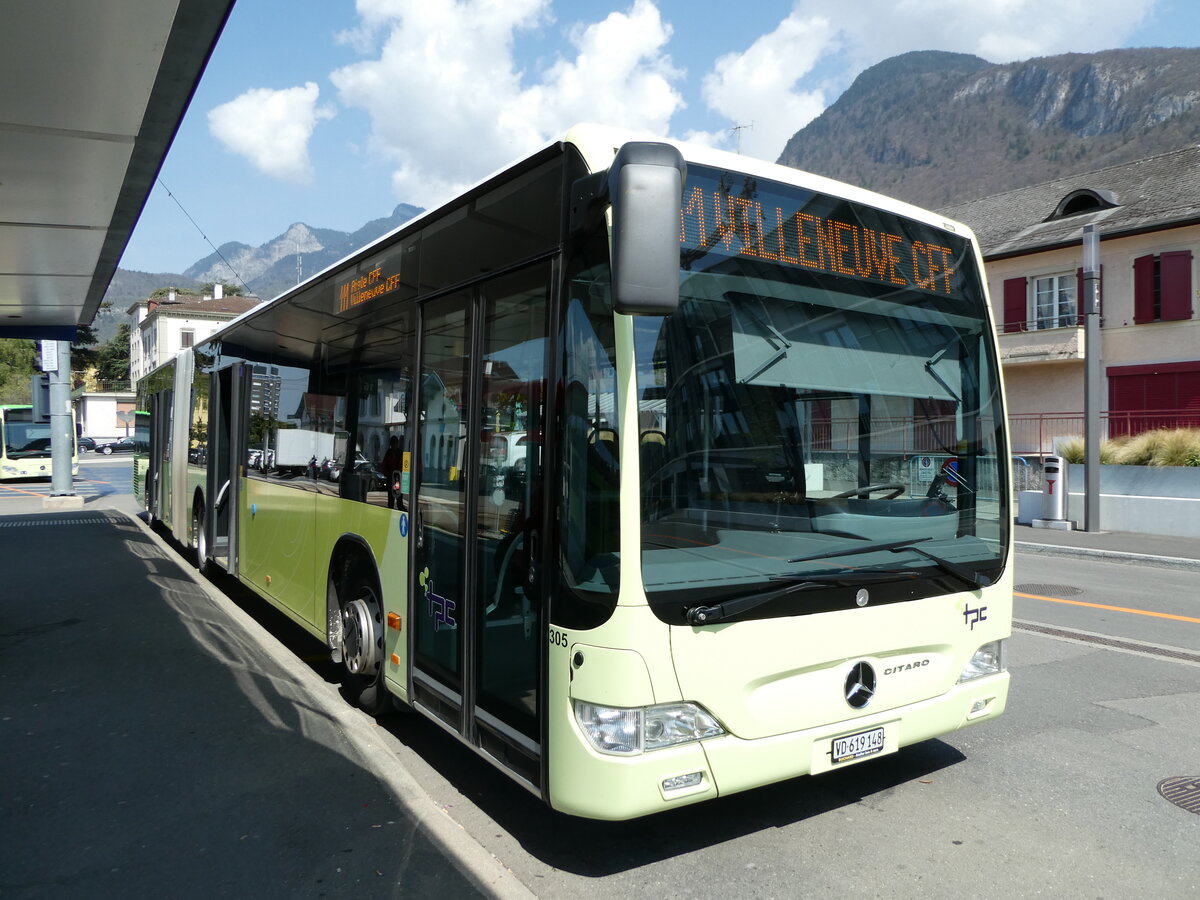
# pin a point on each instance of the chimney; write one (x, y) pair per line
(218, 291)
(171, 296)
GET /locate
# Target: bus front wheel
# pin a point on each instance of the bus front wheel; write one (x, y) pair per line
(362, 640)
(199, 539)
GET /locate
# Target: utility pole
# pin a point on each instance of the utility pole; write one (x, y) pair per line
(1090, 304)
(56, 361)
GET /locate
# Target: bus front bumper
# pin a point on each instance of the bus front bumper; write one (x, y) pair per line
(584, 782)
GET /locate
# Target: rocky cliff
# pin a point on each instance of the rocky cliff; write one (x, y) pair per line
(939, 128)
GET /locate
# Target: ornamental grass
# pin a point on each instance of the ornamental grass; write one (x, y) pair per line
(1160, 447)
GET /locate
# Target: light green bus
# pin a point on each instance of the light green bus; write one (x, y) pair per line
(650, 472)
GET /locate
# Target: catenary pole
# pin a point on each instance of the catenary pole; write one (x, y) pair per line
(1091, 383)
(62, 438)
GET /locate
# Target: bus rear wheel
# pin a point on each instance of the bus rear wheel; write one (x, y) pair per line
(362, 640)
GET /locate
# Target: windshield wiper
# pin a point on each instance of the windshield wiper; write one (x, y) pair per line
(706, 615)
(929, 367)
(970, 576)
(854, 551)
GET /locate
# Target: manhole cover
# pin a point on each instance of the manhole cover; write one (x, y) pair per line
(1056, 590)
(1183, 791)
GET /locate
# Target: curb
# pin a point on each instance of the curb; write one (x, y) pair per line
(1144, 559)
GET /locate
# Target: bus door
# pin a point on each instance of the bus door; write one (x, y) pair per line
(158, 483)
(478, 613)
(228, 403)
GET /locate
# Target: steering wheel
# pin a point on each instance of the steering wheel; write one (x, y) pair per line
(895, 487)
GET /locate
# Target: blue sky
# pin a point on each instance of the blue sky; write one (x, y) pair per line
(330, 112)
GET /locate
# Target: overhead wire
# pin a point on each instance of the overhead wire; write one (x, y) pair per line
(200, 230)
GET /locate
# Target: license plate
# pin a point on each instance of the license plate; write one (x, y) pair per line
(856, 746)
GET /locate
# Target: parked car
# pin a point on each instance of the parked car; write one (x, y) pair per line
(85, 444)
(374, 478)
(124, 445)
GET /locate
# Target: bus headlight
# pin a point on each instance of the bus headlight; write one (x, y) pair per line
(630, 731)
(988, 660)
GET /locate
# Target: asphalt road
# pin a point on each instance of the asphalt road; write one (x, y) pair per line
(1122, 601)
(1056, 798)
(100, 478)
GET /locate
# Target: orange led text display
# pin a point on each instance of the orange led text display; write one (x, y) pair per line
(712, 220)
(366, 287)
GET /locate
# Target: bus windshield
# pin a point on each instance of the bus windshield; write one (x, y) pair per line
(25, 439)
(823, 409)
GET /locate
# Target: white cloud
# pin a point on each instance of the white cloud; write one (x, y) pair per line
(756, 90)
(271, 128)
(765, 84)
(997, 30)
(449, 104)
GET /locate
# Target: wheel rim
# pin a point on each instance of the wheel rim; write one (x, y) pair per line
(362, 634)
(201, 540)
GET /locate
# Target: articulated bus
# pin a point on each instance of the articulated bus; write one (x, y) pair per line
(25, 445)
(650, 472)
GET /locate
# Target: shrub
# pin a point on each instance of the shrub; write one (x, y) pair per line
(1160, 447)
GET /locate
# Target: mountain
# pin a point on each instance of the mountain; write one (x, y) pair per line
(296, 254)
(938, 128)
(267, 270)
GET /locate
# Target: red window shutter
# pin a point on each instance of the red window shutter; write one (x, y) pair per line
(1143, 289)
(1189, 392)
(1015, 295)
(1176, 285)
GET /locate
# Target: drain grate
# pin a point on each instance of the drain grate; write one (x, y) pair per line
(1049, 590)
(43, 521)
(1183, 791)
(1087, 637)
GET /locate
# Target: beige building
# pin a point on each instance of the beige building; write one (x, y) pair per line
(1148, 216)
(163, 327)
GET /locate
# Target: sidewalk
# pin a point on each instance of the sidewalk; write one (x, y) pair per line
(149, 725)
(1150, 549)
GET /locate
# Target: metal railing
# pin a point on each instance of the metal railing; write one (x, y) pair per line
(1035, 434)
(83, 386)
(904, 434)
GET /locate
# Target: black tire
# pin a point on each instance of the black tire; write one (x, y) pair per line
(359, 592)
(107, 451)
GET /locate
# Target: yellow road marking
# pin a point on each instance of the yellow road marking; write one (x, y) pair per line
(1136, 612)
(8, 487)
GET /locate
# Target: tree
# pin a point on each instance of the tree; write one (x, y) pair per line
(83, 353)
(112, 359)
(16, 365)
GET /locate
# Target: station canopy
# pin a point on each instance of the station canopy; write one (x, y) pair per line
(91, 95)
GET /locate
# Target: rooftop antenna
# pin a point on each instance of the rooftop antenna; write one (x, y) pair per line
(737, 135)
(299, 264)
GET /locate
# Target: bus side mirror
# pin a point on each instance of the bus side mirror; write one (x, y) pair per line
(645, 185)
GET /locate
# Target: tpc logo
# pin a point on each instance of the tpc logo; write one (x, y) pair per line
(971, 616)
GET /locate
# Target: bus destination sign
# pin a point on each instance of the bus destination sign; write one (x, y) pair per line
(794, 227)
(368, 286)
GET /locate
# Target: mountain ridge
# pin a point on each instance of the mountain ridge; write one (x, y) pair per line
(937, 128)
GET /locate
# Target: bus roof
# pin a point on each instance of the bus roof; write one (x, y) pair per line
(598, 144)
